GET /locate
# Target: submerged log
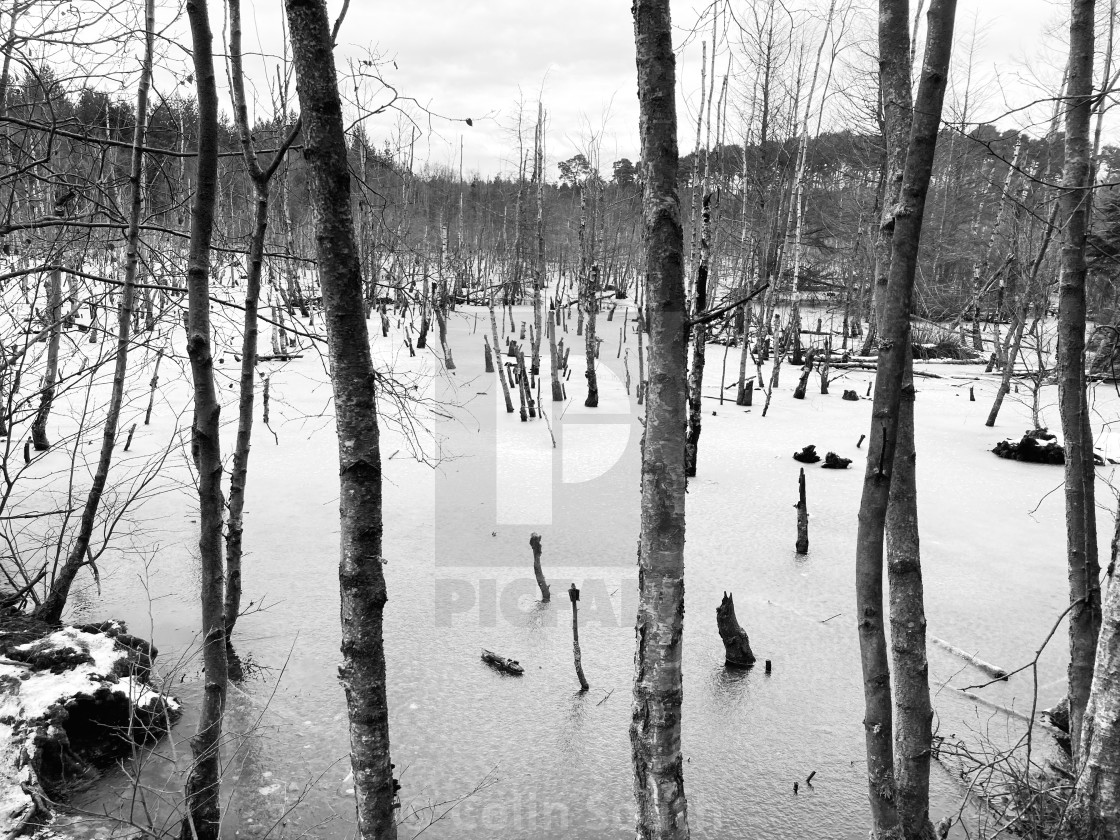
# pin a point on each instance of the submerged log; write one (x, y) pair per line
(736, 645)
(502, 663)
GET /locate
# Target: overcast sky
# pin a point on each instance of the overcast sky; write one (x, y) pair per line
(475, 59)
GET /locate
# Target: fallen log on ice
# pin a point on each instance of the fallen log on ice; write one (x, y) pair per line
(502, 663)
(873, 366)
(1013, 713)
(987, 667)
(73, 701)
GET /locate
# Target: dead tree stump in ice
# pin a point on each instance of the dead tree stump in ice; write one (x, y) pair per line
(808, 455)
(573, 593)
(488, 355)
(736, 644)
(535, 543)
(802, 516)
(803, 382)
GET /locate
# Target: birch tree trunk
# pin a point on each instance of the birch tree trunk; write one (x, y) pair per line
(1095, 804)
(53, 311)
(655, 727)
(884, 434)
(202, 820)
(699, 340)
(1081, 531)
(361, 578)
(541, 275)
(897, 102)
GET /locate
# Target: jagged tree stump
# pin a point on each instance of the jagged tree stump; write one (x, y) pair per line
(736, 645)
(535, 543)
(802, 516)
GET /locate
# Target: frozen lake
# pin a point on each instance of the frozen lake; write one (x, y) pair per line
(533, 757)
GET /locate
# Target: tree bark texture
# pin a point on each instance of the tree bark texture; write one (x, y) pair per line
(361, 577)
(1095, 805)
(655, 727)
(202, 820)
(1083, 568)
(883, 436)
(53, 309)
(913, 736)
(699, 341)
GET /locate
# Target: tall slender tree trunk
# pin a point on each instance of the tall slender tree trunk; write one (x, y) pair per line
(261, 179)
(655, 727)
(361, 578)
(498, 355)
(53, 312)
(1081, 528)
(202, 820)
(51, 608)
(541, 274)
(884, 434)
(591, 343)
(699, 340)
(1095, 805)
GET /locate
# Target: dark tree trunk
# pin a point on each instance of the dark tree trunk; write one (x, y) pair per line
(883, 436)
(1081, 521)
(202, 820)
(53, 314)
(699, 343)
(655, 727)
(361, 578)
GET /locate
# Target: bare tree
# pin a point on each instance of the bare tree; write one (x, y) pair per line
(894, 356)
(361, 578)
(655, 727)
(261, 178)
(51, 608)
(1083, 567)
(202, 820)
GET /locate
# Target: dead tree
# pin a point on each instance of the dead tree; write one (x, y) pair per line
(802, 516)
(736, 644)
(538, 572)
(699, 341)
(54, 319)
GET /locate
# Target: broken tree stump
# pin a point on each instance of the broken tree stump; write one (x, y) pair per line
(736, 644)
(802, 546)
(573, 593)
(488, 355)
(808, 455)
(832, 461)
(535, 543)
